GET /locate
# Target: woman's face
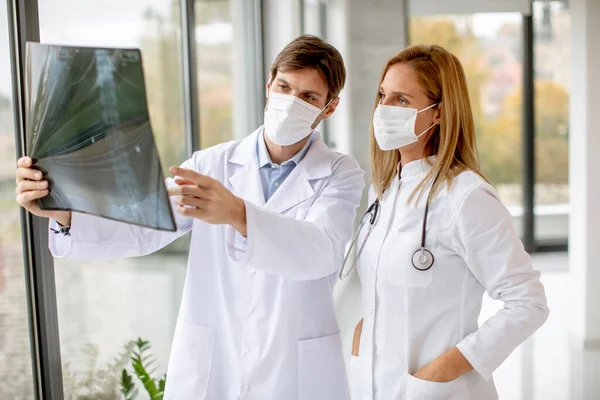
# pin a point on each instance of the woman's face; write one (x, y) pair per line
(400, 88)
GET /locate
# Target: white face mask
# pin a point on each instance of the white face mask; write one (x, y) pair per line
(394, 127)
(288, 119)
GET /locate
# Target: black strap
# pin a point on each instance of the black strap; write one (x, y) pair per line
(373, 210)
(64, 229)
(424, 229)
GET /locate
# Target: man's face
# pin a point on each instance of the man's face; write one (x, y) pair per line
(307, 84)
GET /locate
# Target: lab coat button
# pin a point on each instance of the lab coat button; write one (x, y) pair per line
(246, 388)
(251, 311)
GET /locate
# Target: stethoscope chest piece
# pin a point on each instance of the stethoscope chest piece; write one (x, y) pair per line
(422, 259)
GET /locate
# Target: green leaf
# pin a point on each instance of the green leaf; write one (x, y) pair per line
(141, 361)
(128, 388)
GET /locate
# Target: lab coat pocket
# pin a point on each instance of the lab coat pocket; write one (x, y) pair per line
(190, 362)
(419, 389)
(359, 389)
(398, 263)
(321, 369)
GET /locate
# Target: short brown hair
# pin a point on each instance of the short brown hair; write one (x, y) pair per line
(309, 51)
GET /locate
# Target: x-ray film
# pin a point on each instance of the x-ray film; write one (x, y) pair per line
(88, 130)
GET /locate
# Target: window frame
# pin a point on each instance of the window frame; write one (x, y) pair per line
(23, 25)
(528, 152)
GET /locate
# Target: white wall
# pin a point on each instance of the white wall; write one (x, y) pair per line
(248, 97)
(584, 165)
(281, 24)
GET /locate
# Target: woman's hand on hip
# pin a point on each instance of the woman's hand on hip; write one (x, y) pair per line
(449, 366)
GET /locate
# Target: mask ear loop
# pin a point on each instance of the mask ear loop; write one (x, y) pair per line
(317, 120)
(426, 130)
(427, 108)
(432, 125)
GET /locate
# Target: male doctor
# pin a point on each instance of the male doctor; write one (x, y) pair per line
(270, 216)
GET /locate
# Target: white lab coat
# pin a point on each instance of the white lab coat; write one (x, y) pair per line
(257, 319)
(412, 317)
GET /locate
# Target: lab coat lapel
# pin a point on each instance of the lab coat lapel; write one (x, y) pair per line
(245, 181)
(293, 191)
(297, 187)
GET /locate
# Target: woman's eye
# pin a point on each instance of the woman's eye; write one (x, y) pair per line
(283, 87)
(381, 96)
(402, 102)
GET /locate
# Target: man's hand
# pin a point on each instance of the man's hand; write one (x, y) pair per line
(202, 197)
(30, 187)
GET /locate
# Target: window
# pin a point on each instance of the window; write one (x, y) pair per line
(552, 38)
(489, 47)
(15, 353)
(214, 40)
(102, 305)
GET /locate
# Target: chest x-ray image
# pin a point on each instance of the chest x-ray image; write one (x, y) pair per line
(88, 130)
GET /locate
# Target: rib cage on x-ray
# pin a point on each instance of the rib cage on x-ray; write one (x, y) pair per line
(88, 130)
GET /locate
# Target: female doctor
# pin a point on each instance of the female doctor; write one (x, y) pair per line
(436, 237)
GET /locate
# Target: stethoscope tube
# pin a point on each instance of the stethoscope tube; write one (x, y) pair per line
(422, 258)
(372, 212)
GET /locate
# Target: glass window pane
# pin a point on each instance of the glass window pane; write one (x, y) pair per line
(552, 32)
(214, 40)
(490, 49)
(102, 305)
(15, 353)
(152, 26)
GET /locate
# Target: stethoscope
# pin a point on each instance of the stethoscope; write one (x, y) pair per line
(422, 258)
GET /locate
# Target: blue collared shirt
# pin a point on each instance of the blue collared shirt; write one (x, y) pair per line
(273, 175)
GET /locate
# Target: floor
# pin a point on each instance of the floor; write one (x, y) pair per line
(549, 366)
(106, 304)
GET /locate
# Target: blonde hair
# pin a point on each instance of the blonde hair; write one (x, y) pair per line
(441, 76)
